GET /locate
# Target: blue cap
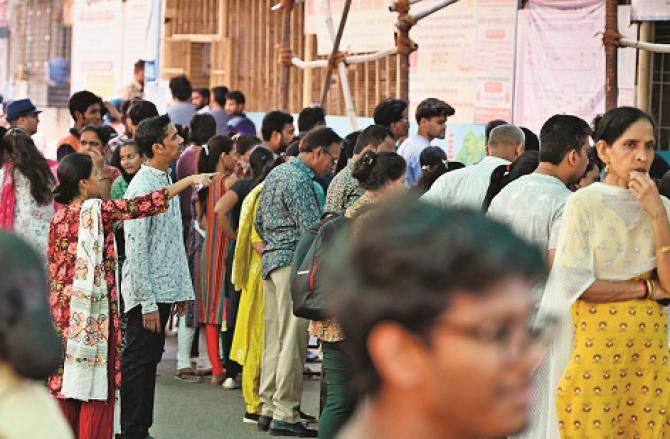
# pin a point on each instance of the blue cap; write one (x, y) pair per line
(20, 107)
(241, 125)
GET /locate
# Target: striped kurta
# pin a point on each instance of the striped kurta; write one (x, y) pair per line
(211, 290)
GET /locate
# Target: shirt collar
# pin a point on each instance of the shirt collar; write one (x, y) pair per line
(154, 171)
(302, 166)
(494, 161)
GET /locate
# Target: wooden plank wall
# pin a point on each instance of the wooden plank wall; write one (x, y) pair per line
(195, 16)
(244, 55)
(253, 32)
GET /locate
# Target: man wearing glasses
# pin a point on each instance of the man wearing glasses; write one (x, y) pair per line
(435, 305)
(288, 206)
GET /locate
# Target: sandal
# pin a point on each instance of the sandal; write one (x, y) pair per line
(187, 376)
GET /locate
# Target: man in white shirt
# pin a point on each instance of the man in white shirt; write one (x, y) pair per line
(533, 204)
(466, 187)
(431, 116)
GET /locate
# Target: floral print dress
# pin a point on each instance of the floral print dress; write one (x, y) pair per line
(31, 220)
(62, 254)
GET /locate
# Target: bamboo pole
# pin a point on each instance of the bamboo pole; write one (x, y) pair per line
(644, 70)
(431, 10)
(648, 47)
(353, 59)
(336, 47)
(405, 47)
(308, 74)
(287, 7)
(392, 8)
(344, 78)
(610, 41)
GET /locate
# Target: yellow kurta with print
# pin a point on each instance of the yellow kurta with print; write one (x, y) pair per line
(617, 382)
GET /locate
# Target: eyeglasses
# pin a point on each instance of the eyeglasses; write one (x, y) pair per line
(508, 339)
(333, 159)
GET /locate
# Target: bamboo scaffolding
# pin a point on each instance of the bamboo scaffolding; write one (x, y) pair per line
(641, 45)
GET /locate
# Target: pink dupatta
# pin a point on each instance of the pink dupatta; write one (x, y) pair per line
(7, 198)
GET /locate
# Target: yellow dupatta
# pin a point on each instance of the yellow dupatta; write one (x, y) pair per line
(246, 277)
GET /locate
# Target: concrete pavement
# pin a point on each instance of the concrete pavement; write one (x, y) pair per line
(203, 411)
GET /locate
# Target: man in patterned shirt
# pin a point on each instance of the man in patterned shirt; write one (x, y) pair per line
(344, 190)
(288, 205)
(155, 277)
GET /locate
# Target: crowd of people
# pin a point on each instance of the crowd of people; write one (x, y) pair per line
(445, 289)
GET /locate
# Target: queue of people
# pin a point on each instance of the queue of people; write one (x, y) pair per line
(430, 287)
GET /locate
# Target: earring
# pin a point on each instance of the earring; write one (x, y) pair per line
(607, 168)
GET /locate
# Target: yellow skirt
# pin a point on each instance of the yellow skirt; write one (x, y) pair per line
(617, 384)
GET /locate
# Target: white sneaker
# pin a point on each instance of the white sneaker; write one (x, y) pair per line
(230, 384)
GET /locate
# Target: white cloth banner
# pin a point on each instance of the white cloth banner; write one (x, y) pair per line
(369, 26)
(563, 4)
(560, 63)
(108, 37)
(650, 10)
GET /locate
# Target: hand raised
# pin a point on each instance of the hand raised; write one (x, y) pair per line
(644, 189)
(202, 179)
(98, 159)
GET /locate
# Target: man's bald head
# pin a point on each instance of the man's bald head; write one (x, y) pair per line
(506, 142)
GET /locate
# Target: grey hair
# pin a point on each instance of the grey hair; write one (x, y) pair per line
(506, 135)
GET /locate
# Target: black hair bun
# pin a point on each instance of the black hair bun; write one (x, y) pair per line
(364, 166)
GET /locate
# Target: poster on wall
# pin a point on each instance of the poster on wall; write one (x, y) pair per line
(96, 60)
(3, 13)
(560, 64)
(369, 26)
(650, 10)
(466, 58)
(104, 64)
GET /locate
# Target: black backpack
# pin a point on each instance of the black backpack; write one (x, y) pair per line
(308, 294)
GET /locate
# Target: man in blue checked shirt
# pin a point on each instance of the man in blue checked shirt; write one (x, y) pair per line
(288, 206)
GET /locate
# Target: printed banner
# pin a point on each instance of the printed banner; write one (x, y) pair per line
(560, 64)
(466, 57)
(108, 37)
(3, 13)
(650, 10)
(369, 27)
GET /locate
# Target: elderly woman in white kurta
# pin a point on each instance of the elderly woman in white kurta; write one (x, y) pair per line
(607, 373)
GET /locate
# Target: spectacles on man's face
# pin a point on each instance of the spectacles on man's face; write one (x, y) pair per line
(333, 159)
(508, 338)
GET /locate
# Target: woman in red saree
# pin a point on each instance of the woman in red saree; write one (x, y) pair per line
(83, 294)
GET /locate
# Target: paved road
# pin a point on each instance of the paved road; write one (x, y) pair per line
(203, 411)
